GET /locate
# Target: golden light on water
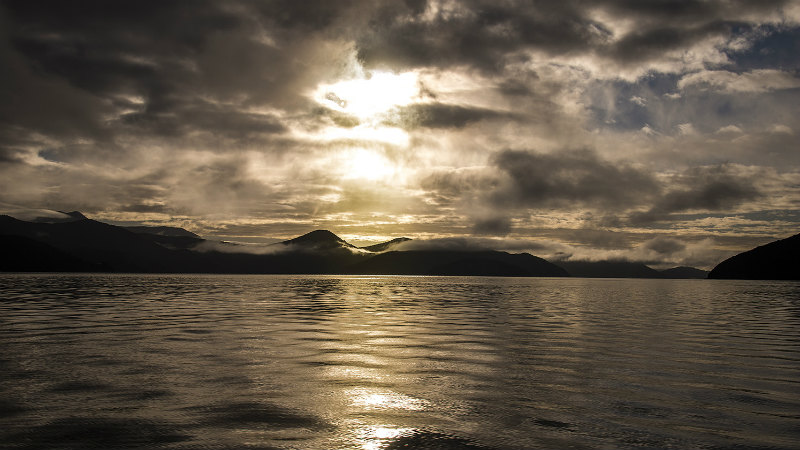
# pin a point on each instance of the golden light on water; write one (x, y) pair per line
(372, 399)
(376, 437)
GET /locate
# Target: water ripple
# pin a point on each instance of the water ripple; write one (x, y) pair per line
(326, 362)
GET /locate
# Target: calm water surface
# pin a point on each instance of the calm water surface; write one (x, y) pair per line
(328, 362)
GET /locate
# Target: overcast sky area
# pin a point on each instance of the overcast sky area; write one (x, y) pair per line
(650, 130)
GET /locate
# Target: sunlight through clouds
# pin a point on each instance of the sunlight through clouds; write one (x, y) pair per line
(367, 165)
(289, 117)
(370, 95)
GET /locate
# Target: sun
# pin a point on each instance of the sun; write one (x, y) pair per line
(371, 95)
(363, 164)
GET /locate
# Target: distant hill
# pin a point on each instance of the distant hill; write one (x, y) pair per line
(319, 240)
(23, 254)
(99, 243)
(684, 272)
(779, 260)
(608, 269)
(87, 245)
(443, 262)
(170, 237)
(385, 246)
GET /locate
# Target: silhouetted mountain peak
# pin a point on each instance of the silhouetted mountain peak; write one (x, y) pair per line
(318, 238)
(774, 261)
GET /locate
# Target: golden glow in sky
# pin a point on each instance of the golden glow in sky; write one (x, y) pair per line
(438, 119)
(362, 164)
(370, 95)
(368, 98)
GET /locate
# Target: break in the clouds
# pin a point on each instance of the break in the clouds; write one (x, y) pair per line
(660, 131)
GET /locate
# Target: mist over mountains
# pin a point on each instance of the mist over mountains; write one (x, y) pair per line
(73, 243)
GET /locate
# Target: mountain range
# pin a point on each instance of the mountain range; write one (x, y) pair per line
(73, 243)
(78, 244)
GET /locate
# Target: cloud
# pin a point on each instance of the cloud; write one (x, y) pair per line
(176, 71)
(439, 115)
(490, 36)
(783, 129)
(262, 249)
(729, 129)
(664, 251)
(686, 129)
(28, 214)
(755, 81)
(519, 183)
(664, 245)
(210, 111)
(569, 177)
(474, 244)
(656, 42)
(230, 247)
(445, 186)
(661, 252)
(638, 100)
(479, 34)
(497, 226)
(710, 188)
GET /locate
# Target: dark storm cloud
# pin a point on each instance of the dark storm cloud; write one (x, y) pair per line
(8, 155)
(477, 33)
(100, 70)
(140, 208)
(570, 177)
(205, 117)
(649, 44)
(486, 35)
(580, 180)
(447, 186)
(493, 226)
(69, 66)
(209, 109)
(115, 47)
(714, 188)
(684, 11)
(441, 115)
(681, 9)
(76, 61)
(664, 245)
(598, 238)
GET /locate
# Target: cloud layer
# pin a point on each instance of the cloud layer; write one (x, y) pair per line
(605, 128)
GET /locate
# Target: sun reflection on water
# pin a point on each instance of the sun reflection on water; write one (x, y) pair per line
(376, 437)
(374, 399)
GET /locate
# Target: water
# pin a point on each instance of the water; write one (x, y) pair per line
(327, 362)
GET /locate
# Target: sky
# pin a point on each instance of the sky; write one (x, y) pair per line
(665, 132)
